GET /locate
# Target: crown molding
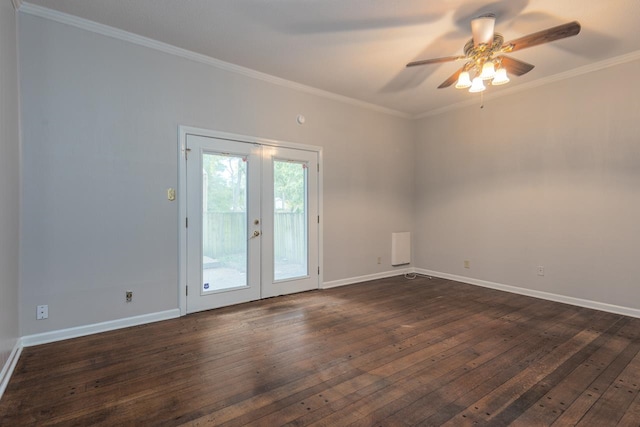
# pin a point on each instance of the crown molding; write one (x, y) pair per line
(16, 4)
(119, 34)
(590, 68)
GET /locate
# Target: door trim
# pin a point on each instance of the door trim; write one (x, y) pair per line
(183, 131)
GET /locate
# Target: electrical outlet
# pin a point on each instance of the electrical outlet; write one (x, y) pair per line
(541, 270)
(466, 264)
(42, 312)
(128, 296)
(379, 260)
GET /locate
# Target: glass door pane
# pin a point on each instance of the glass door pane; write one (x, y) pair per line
(224, 222)
(290, 234)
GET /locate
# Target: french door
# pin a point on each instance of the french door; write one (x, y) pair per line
(251, 221)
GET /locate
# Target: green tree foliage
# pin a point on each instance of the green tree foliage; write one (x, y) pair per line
(225, 188)
(226, 183)
(289, 188)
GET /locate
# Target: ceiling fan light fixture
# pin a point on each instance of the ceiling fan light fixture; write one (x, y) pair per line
(484, 54)
(464, 81)
(477, 85)
(501, 77)
(488, 71)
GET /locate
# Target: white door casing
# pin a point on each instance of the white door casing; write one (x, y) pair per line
(260, 155)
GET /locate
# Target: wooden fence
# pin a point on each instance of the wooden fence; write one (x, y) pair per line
(225, 235)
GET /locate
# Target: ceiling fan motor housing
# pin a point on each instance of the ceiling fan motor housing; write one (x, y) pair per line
(482, 29)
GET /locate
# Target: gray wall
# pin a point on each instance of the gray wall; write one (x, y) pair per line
(9, 182)
(544, 177)
(100, 130)
(547, 177)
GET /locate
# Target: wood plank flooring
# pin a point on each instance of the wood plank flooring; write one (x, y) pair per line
(391, 352)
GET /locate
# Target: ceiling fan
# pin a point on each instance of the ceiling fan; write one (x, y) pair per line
(484, 54)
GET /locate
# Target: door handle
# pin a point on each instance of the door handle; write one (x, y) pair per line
(256, 233)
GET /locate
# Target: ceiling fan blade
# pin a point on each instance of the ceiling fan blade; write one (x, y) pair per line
(515, 66)
(452, 79)
(545, 36)
(435, 60)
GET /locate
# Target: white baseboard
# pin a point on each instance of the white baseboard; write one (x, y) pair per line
(611, 308)
(9, 366)
(352, 280)
(80, 331)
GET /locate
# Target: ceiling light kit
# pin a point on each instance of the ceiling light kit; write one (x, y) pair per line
(484, 54)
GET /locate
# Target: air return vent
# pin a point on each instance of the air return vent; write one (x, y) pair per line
(400, 248)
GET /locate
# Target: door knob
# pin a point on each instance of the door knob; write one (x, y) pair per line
(256, 233)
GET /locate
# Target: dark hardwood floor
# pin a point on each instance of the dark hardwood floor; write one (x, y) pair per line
(391, 352)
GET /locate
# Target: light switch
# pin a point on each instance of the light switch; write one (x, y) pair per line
(171, 194)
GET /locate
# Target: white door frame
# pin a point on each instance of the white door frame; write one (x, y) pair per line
(183, 131)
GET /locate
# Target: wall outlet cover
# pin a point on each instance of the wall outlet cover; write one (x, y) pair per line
(42, 312)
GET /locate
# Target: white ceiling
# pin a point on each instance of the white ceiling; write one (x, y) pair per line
(359, 48)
